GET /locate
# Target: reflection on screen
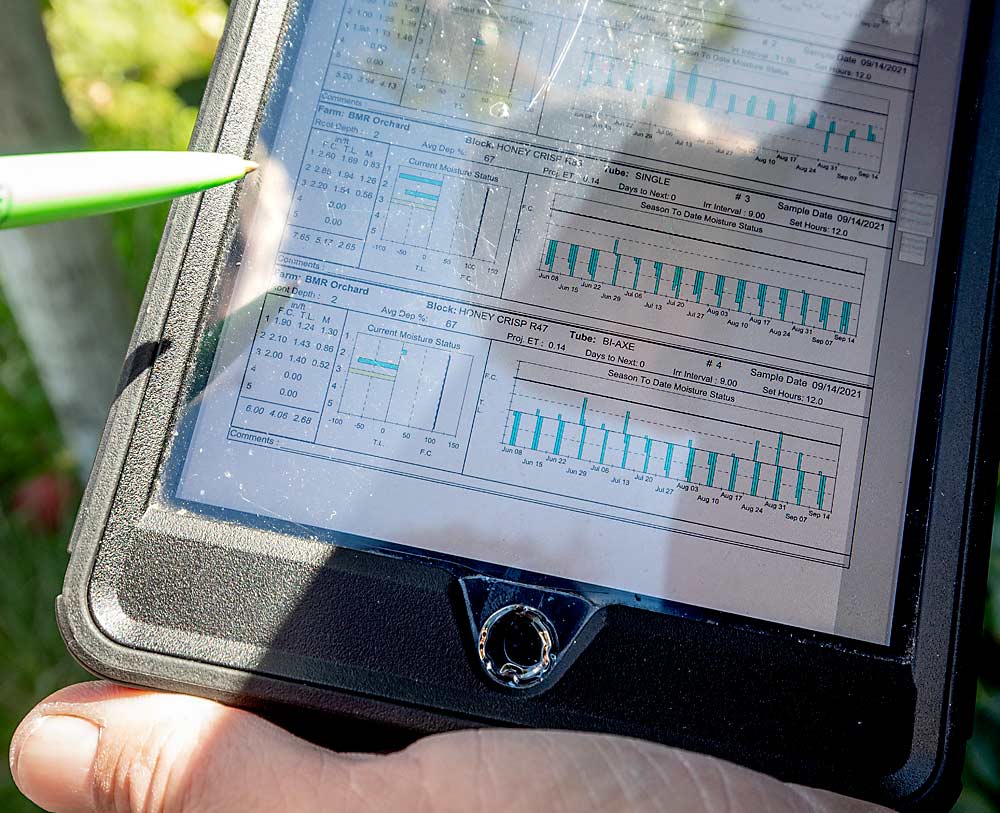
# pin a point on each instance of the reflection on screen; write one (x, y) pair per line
(627, 293)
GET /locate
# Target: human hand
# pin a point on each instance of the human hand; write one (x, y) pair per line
(104, 748)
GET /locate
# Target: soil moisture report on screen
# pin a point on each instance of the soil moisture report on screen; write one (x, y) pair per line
(630, 294)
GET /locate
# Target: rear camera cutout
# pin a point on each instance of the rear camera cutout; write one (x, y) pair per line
(517, 646)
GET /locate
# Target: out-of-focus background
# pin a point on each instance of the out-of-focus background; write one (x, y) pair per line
(129, 74)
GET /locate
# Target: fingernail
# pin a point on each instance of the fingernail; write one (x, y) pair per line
(52, 763)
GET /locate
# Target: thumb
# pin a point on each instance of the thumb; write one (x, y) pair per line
(100, 747)
(97, 747)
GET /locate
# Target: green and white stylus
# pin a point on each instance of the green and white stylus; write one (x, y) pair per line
(57, 186)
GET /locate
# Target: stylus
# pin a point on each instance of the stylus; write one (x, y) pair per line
(38, 189)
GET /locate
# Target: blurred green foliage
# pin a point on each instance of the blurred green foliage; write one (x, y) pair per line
(35, 662)
(982, 762)
(28, 434)
(133, 72)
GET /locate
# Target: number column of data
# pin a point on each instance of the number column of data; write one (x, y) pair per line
(288, 372)
(335, 196)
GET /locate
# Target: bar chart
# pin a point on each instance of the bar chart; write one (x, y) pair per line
(406, 384)
(456, 216)
(668, 439)
(615, 267)
(771, 112)
(672, 83)
(818, 128)
(414, 204)
(678, 264)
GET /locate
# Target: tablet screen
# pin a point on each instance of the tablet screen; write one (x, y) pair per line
(631, 294)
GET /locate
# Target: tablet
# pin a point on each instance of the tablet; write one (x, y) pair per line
(577, 363)
(611, 304)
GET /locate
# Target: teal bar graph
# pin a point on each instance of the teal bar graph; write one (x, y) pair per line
(385, 365)
(830, 121)
(800, 481)
(513, 431)
(619, 268)
(829, 132)
(627, 439)
(550, 254)
(692, 87)
(406, 176)
(538, 430)
(847, 140)
(776, 494)
(633, 447)
(756, 469)
(571, 260)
